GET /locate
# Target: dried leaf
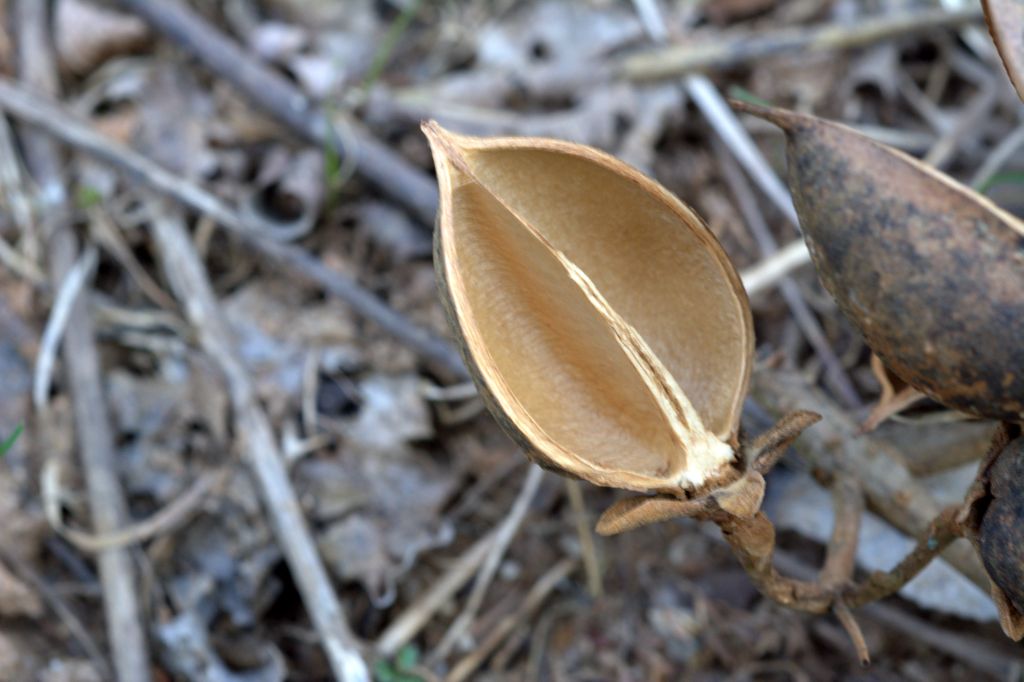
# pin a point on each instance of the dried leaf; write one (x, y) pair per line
(1005, 20)
(931, 272)
(88, 34)
(379, 514)
(392, 414)
(607, 330)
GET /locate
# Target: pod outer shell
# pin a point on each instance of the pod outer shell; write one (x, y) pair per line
(1001, 536)
(932, 277)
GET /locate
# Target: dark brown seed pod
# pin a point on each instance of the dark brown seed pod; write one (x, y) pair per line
(1001, 536)
(930, 272)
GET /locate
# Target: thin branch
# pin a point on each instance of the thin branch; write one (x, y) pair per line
(465, 668)
(70, 129)
(691, 56)
(92, 422)
(753, 542)
(506, 532)
(408, 624)
(974, 651)
(588, 548)
(841, 557)
(835, 446)
(188, 279)
(835, 374)
(271, 92)
(849, 623)
(941, 532)
(767, 273)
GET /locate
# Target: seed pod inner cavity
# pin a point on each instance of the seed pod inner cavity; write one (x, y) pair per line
(573, 290)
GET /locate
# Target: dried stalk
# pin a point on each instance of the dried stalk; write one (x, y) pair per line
(942, 531)
(406, 626)
(92, 422)
(841, 557)
(836, 446)
(271, 92)
(588, 548)
(974, 651)
(465, 668)
(70, 129)
(56, 603)
(506, 532)
(835, 375)
(751, 535)
(767, 273)
(676, 60)
(259, 445)
(753, 542)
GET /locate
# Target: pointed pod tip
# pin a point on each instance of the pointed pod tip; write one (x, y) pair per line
(785, 119)
(444, 143)
(434, 132)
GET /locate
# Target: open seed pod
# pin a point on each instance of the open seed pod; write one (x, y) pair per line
(603, 323)
(931, 272)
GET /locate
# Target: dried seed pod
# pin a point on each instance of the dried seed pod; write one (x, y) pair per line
(1001, 535)
(1005, 20)
(603, 323)
(931, 272)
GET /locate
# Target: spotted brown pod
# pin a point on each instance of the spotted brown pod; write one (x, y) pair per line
(1001, 533)
(930, 272)
(603, 323)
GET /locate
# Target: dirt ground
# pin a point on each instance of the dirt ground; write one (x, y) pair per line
(250, 451)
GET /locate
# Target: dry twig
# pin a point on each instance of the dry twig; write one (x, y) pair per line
(505, 533)
(408, 624)
(588, 548)
(835, 447)
(465, 668)
(835, 375)
(96, 444)
(676, 60)
(179, 511)
(271, 92)
(259, 446)
(56, 603)
(56, 121)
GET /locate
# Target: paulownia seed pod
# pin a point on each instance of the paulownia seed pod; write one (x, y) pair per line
(930, 272)
(1001, 536)
(603, 323)
(1005, 19)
